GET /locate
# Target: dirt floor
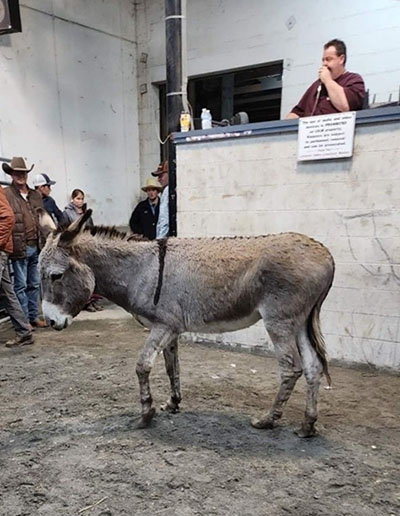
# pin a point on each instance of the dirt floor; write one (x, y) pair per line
(68, 443)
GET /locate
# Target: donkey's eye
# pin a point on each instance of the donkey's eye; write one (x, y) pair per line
(55, 277)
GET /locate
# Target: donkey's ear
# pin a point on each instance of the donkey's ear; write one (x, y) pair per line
(46, 223)
(72, 231)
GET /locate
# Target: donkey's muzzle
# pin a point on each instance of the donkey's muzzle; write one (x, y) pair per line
(59, 326)
(56, 317)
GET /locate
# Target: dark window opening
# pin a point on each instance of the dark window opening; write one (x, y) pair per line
(256, 90)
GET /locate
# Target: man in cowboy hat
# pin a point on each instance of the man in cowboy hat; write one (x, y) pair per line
(24, 201)
(163, 220)
(144, 217)
(20, 323)
(43, 184)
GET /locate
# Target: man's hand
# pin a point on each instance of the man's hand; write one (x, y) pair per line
(325, 74)
(335, 92)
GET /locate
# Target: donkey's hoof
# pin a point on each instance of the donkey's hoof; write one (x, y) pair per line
(146, 419)
(170, 407)
(266, 423)
(306, 432)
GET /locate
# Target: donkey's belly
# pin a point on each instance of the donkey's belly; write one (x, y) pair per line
(217, 326)
(231, 325)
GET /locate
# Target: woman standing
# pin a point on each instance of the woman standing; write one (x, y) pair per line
(76, 208)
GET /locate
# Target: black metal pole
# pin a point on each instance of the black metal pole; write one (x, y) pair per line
(173, 36)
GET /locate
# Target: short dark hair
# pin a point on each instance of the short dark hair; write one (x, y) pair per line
(76, 192)
(340, 47)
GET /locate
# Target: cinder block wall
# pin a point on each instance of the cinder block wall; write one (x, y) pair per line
(255, 186)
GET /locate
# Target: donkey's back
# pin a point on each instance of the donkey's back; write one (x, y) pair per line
(224, 284)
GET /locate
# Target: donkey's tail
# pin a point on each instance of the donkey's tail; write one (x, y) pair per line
(317, 340)
(314, 329)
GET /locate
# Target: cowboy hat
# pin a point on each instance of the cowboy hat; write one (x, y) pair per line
(17, 165)
(162, 167)
(152, 183)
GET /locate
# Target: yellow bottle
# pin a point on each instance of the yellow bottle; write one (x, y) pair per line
(185, 122)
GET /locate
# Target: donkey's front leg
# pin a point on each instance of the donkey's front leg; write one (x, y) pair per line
(172, 367)
(159, 338)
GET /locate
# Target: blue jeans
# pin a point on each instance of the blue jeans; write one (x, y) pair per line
(27, 283)
(12, 305)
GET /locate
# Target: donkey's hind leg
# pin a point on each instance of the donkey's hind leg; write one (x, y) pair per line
(172, 367)
(312, 368)
(158, 339)
(290, 370)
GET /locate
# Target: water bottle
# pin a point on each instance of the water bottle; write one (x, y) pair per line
(206, 119)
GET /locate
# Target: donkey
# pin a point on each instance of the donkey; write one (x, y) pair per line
(207, 285)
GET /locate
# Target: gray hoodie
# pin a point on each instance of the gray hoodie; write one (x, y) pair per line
(70, 214)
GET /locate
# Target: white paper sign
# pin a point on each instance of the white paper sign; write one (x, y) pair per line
(326, 136)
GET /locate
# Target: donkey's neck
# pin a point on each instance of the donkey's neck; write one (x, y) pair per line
(121, 268)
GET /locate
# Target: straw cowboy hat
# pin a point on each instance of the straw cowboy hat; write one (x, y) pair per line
(16, 165)
(152, 183)
(162, 167)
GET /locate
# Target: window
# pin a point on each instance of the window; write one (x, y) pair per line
(257, 90)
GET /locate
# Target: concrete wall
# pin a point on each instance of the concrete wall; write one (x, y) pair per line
(226, 34)
(255, 186)
(69, 100)
(150, 27)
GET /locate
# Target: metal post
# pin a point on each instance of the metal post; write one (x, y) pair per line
(173, 36)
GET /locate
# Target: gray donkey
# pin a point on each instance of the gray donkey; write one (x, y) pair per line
(198, 285)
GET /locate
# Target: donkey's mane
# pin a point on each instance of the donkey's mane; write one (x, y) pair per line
(112, 233)
(106, 231)
(109, 232)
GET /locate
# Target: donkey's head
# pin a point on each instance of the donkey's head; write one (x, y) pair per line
(66, 282)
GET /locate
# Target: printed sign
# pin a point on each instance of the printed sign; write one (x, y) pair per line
(326, 136)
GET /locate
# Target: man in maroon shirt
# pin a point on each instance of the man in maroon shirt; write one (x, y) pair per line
(336, 90)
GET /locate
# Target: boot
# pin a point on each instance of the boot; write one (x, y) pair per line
(24, 340)
(39, 323)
